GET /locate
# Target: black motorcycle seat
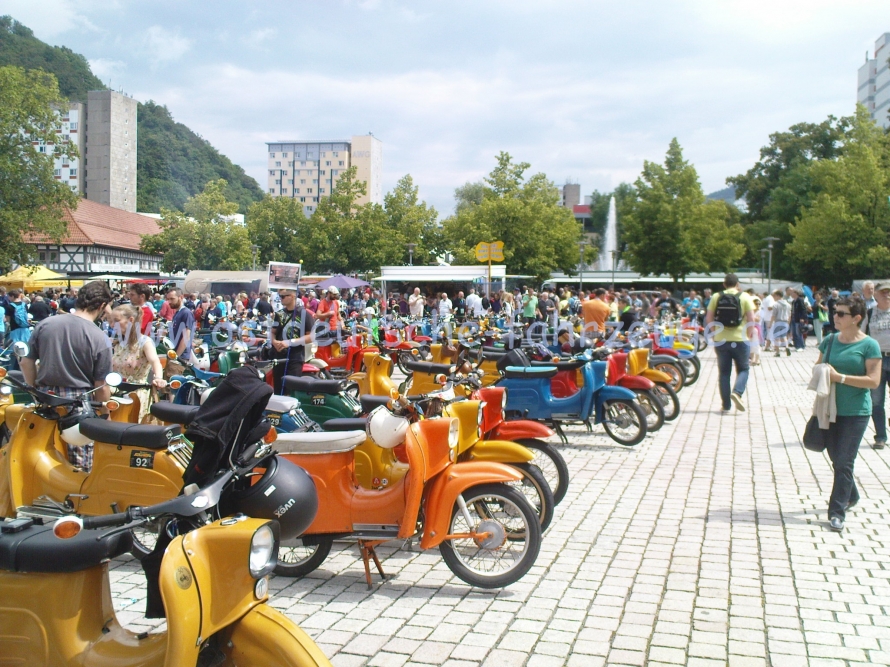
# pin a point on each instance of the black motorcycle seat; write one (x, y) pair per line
(18, 376)
(345, 424)
(529, 372)
(308, 385)
(570, 365)
(132, 435)
(493, 355)
(36, 549)
(369, 402)
(174, 413)
(428, 367)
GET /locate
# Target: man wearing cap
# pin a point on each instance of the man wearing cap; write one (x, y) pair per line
(329, 309)
(291, 335)
(877, 325)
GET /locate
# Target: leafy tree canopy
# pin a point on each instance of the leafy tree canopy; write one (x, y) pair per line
(539, 235)
(203, 236)
(670, 228)
(31, 199)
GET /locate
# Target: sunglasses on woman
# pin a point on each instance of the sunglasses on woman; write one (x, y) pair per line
(841, 313)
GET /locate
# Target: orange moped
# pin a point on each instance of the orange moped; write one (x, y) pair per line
(487, 531)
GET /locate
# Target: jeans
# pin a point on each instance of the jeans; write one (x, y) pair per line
(797, 330)
(844, 437)
(877, 402)
(727, 353)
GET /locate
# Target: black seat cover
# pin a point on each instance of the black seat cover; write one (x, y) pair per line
(493, 355)
(532, 372)
(36, 549)
(570, 365)
(346, 424)
(311, 385)
(369, 402)
(174, 413)
(17, 375)
(132, 435)
(513, 358)
(428, 367)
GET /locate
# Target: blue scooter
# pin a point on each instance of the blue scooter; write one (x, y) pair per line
(529, 396)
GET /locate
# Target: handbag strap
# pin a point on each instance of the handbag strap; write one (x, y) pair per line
(828, 351)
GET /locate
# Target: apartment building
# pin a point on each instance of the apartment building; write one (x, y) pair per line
(309, 170)
(874, 82)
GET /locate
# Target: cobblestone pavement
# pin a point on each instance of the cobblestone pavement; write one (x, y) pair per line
(704, 545)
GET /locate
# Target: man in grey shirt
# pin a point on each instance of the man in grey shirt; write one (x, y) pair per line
(877, 325)
(74, 355)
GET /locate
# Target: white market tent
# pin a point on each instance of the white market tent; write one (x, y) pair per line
(441, 274)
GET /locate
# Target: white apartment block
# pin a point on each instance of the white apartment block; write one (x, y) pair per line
(874, 82)
(309, 170)
(104, 131)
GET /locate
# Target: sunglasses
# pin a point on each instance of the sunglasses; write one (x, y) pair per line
(841, 313)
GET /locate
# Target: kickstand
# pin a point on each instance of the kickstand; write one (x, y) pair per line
(559, 432)
(368, 552)
(588, 425)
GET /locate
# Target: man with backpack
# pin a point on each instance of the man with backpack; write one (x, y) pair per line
(733, 311)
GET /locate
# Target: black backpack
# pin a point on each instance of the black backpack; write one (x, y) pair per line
(729, 310)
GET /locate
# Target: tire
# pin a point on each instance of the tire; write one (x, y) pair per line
(701, 342)
(516, 552)
(625, 422)
(652, 408)
(692, 367)
(401, 359)
(669, 400)
(300, 556)
(145, 538)
(678, 375)
(537, 491)
(352, 388)
(551, 464)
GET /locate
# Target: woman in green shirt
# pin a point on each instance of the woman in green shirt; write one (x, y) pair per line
(855, 361)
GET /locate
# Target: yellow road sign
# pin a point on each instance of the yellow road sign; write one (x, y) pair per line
(490, 252)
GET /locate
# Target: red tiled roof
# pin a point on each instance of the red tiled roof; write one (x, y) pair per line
(97, 224)
(581, 209)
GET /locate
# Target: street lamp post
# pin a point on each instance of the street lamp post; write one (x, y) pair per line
(254, 249)
(763, 252)
(411, 247)
(769, 240)
(614, 259)
(581, 244)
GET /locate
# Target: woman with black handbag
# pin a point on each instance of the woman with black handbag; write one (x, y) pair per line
(855, 361)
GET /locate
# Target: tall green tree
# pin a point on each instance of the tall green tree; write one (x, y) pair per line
(539, 235)
(280, 228)
(671, 229)
(412, 221)
(202, 235)
(31, 199)
(843, 232)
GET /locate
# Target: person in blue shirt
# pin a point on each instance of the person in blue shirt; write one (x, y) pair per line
(692, 304)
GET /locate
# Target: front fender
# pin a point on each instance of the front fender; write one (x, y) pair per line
(441, 494)
(318, 363)
(518, 429)
(636, 382)
(656, 375)
(611, 393)
(265, 636)
(499, 451)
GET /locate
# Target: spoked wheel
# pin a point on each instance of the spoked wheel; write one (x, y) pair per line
(652, 408)
(506, 541)
(302, 555)
(405, 356)
(701, 342)
(670, 402)
(692, 367)
(352, 388)
(536, 490)
(145, 538)
(678, 375)
(551, 463)
(625, 422)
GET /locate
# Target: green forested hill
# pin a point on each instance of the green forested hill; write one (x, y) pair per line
(173, 162)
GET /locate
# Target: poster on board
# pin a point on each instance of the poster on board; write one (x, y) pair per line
(284, 276)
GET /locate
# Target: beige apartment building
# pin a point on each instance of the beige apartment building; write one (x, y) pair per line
(309, 170)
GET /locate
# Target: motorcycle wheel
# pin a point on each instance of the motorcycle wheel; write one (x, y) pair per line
(652, 408)
(551, 463)
(515, 540)
(145, 538)
(625, 422)
(701, 342)
(692, 367)
(678, 375)
(352, 389)
(669, 400)
(296, 558)
(537, 491)
(402, 358)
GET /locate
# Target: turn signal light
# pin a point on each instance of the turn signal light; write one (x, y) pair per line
(441, 379)
(2, 372)
(67, 527)
(176, 384)
(171, 354)
(271, 436)
(111, 406)
(393, 393)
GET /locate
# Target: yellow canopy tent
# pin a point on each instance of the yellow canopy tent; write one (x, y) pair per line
(35, 278)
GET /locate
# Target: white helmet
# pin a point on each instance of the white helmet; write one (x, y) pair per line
(74, 437)
(386, 429)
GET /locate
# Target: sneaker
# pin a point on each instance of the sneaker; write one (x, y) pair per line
(778, 354)
(836, 524)
(737, 401)
(851, 505)
(879, 444)
(724, 412)
(788, 351)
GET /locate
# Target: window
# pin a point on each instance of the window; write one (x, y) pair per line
(297, 190)
(327, 164)
(290, 181)
(284, 172)
(315, 199)
(42, 256)
(321, 189)
(271, 172)
(302, 181)
(314, 181)
(271, 154)
(302, 199)
(277, 181)
(323, 172)
(308, 189)
(323, 154)
(284, 155)
(41, 149)
(277, 164)
(271, 191)
(333, 172)
(336, 154)
(53, 256)
(57, 172)
(73, 173)
(340, 163)
(73, 127)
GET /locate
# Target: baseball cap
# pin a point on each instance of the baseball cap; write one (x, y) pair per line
(882, 286)
(334, 291)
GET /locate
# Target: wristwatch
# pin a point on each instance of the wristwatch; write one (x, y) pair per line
(843, 379)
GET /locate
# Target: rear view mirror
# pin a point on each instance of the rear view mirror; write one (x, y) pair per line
(20, 349)
(114, 379)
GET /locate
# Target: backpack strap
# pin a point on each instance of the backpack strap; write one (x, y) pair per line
(868, 315)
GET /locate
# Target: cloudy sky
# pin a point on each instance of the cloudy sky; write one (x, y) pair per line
(582, 90)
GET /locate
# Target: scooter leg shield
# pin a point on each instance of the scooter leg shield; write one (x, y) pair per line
(442, 493)
(499, 451)
(265, 636)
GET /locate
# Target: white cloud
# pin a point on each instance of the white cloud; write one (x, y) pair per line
(164, 46)
(260, 38)
(107, 69)
(48, 18)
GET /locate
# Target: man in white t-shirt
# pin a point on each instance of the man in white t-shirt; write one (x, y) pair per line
(474, 304)
(766, 319)
(444, 305)
(415, 303)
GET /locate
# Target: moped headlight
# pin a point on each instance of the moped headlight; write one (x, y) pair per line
(263, 554)
(479, 413)
(453, 433)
